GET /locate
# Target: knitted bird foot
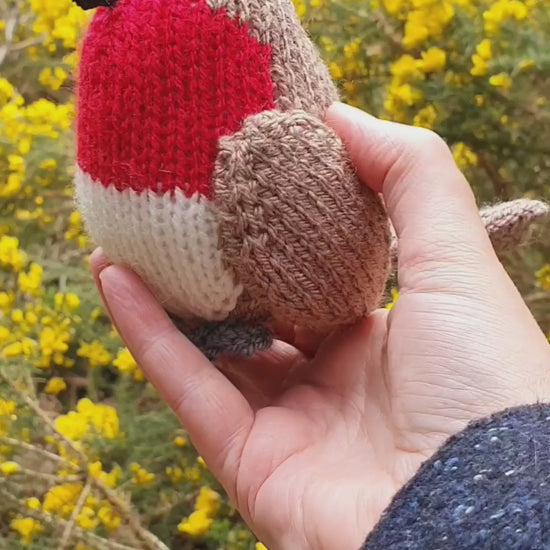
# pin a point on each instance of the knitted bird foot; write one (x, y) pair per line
(234, 337)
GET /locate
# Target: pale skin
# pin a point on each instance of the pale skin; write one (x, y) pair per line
(313, 439)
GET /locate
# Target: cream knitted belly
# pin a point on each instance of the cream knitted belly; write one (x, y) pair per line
(170, 240)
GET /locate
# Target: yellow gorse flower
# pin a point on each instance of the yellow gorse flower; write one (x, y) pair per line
(31, 282)
(110, 479)
(501, 80)
(140, 476)
(542, 277)
(10, 255)
(89, 419)
(9, 468)
(7, 408)
(96, 354)
(206, 507)
(55, 386)
(61, 499)
(463, 155)
(500, 11)
(126, 364)
(27, 528)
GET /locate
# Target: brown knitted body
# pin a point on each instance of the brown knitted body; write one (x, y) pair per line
(306, 240)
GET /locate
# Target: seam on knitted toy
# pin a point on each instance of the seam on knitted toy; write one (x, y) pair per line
(171, 241)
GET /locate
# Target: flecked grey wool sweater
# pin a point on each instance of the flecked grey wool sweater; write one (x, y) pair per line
(486, 488)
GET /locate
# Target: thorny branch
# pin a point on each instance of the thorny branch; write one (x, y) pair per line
(57, 524)
(71, 524)
(150, 541)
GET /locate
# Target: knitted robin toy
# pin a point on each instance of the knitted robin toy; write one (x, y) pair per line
(204, 164)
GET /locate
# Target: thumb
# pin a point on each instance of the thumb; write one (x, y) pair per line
(439, 231)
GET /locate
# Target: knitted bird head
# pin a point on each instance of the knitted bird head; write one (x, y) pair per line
(204, 164)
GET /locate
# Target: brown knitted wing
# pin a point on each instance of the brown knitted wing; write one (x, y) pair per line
(309, 243)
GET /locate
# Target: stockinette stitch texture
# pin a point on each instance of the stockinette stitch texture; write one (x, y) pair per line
(204, 164)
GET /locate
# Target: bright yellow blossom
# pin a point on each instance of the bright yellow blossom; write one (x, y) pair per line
(500, 11)
(86, 519)
(48, 164)
(196, 524)
(180, 441)
(95, 469)
(55, 386)
(425, 118)
(61, 499)
(53, 78)
(206, 507)
(140, 476)
(174, 474)
(96, 354)
(13, 350)
(393, 7)
(433, 60)
(208, 500)
(501, 80)
(68, 301)
(30, 283)
(7, 408)
(405, 68)
(126, 364)
(10, 255)
(27, 528)
(9, 468)
(32, 503)
(463, 155)
(542, 276)
(108, 518)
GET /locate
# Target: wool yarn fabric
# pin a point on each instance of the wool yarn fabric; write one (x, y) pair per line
(204, 164)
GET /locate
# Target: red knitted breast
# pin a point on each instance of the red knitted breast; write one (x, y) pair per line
(160, 81)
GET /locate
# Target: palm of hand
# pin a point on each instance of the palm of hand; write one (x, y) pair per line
(324, 457)
(311, 472)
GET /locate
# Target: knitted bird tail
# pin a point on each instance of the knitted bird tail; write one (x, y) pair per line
(230, 337)
(509, 224)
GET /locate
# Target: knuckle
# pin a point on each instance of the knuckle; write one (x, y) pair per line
(427, 142)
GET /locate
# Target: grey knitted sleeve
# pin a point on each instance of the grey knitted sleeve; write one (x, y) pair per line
(486, 488)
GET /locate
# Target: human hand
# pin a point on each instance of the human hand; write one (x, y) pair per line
(312, 439)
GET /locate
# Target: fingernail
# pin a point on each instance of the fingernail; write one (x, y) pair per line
(105, 273)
